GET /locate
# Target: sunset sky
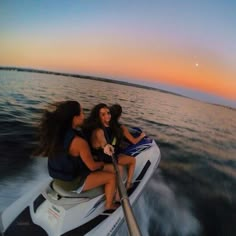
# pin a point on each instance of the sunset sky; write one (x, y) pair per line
(177, 45)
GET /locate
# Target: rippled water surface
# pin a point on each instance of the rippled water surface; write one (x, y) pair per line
(191, 193)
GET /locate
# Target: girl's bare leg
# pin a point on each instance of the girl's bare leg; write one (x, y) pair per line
(99, 178)
(110, 168)
(130, 162)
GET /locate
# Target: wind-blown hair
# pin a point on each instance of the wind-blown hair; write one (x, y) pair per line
(93, 122)
(116, 111)
(54, 125)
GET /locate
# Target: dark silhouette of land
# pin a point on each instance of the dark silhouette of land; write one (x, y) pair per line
(10, 68)
(84, 77)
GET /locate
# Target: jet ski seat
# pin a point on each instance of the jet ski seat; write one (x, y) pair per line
(72, 194)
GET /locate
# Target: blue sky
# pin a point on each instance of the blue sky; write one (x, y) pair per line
(179, 44)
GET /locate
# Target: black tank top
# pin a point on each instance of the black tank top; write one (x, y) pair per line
(65, 167)
(111, 140)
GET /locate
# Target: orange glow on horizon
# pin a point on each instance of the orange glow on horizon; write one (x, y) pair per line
(160, 65)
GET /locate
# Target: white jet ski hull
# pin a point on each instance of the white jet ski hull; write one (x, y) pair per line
(42, 212)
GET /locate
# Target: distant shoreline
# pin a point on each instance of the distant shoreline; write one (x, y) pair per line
(12, 68)
(86, 77)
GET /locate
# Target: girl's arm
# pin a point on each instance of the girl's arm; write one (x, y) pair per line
(102, 142)
(130, 137)
(100, 138)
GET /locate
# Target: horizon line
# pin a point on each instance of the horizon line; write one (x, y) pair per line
(108, 80)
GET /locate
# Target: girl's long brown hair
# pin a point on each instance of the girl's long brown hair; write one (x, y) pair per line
(53, 127)
(93, 122)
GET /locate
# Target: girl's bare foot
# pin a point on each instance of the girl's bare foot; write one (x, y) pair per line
(129, 185)
(113, 206)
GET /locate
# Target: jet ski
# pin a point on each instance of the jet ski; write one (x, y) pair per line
(49, 210)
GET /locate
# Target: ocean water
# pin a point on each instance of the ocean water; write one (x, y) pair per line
(193, 192)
